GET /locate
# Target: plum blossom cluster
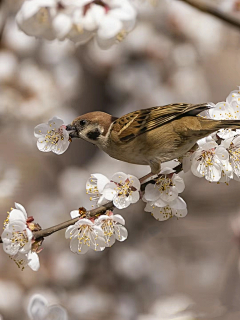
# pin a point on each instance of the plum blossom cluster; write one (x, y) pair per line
(162, 197)
(123, 189)
(17, 238)
(108, 21)
(217, 158)
(95, 233)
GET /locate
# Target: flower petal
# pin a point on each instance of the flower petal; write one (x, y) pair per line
(33, 263)
(74, 214)
(21, 208)
(35, 307)
(180, 213)
(119, 177)
(151, 192)
(118, 218)
(121, 233)
(56, 312)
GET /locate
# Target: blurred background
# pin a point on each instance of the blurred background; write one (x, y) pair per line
(191, 265)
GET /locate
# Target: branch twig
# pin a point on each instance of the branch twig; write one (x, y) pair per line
(214, 12)
(91, 213)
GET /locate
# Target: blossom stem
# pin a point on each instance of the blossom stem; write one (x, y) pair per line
(91, 213)
(209, 9)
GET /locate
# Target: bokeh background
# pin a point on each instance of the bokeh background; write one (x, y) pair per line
(190, 265)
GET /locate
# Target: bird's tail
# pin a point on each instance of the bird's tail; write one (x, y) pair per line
(214, 125)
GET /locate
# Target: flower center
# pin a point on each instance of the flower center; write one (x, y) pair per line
(164, 184)
(19, 238)
(43, 16)
(207, 157)
(108, 229)
(125, 189)
(54, 135)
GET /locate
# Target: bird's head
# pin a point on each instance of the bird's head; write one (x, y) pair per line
(92, 127)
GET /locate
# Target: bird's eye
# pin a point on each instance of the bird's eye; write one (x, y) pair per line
(82, 123)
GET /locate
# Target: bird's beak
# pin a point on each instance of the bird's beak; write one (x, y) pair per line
(73, 129)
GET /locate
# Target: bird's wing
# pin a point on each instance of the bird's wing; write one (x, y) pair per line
(135, 123)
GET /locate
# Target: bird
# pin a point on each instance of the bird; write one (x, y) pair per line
(148, 136)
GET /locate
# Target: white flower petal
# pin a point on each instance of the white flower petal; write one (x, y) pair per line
(74, 244)
(33, 263)
(178, 182)
(40, 130)
(74, 214)
(108, 192)
(160, 214)
(121, 233)
(21, 208)
(180, 213)
(121, 202)
(151, 192)
(56, 312)
(70, 231)
(134, 182)
(118, 218)
(62, 24)
(134, 197)
(36, 306)
(18, 215)
(178, 203)
(119, 177)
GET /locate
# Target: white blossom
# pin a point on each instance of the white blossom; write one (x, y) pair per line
(122, 190)
(34, 18)
(232, 145)
(85, 234)
(162, 197)
(95, 186)
(162, 210)
(108, 20)
(38, 309)
(17, 239)
(80, 20)
(52, 136)
(113, 228)
(210, 161)
(167, 187)
(227, 110)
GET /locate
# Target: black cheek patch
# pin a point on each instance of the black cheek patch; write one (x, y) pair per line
(93, 135)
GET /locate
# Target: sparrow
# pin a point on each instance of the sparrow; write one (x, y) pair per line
(148, 136)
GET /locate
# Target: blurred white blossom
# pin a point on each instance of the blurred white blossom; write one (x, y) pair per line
(38, 309)
(52, 136)
(79, 21)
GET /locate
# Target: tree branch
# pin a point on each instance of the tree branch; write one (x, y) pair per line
(214, 12)
(91, 213)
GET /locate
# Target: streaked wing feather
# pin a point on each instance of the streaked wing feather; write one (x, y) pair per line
(141, 121)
